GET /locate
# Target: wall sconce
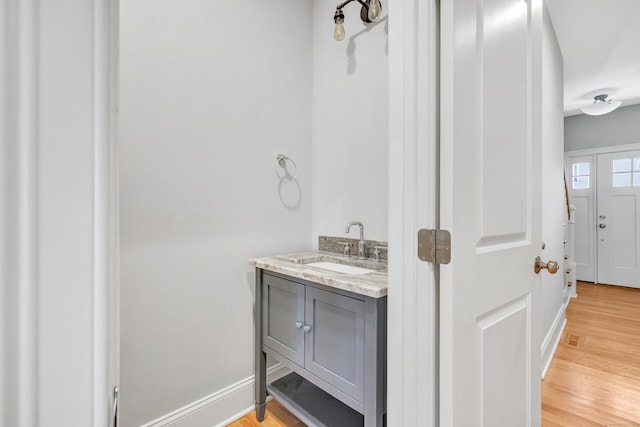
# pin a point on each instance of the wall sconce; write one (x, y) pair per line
(601, 105)
(368, 13)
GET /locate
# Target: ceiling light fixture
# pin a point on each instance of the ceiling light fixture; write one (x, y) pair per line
(368, 13)
(601, 105)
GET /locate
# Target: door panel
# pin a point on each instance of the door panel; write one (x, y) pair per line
(584, 238)
(283, 309)
(499, 384)
(581, 187)
(490, 200)
(623, 215)
(335, 346)
(502, 45)
(618, 229)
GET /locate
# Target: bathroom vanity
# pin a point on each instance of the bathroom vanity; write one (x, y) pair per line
(324, 317)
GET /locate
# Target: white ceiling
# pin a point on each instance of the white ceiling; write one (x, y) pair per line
(600, 43)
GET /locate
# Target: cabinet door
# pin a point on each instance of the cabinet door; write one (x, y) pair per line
(283, 311)
(335, 345)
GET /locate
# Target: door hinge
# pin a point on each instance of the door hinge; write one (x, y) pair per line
(434, 246)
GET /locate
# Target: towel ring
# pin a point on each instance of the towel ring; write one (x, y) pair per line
(281, 162)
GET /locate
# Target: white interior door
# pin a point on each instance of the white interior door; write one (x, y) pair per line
(491, 203)
(618, 218)
(582, 185)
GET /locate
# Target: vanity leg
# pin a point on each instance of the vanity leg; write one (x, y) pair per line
(261, 409)
(375, 362)
(261, 385)
(261, 356)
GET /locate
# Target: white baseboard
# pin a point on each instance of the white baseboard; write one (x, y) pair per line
(220, 408)
(551, 341)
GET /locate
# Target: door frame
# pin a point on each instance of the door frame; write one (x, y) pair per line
(413, 125)
(412, 355)
(413, 169)
(594, 152)
(85, 297)
(106, 271)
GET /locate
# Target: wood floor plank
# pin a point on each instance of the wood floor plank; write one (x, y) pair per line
(594, 378)
(276, 416)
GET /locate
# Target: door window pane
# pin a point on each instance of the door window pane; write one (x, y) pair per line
(636, 179)
(622, 165)
(622, 179)
(580, 175)
(582, 169)
(580, 182)
(636, 164)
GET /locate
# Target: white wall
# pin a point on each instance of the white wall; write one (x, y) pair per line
(350, 124)
(619, 127)
(554, 210)
(209, 94)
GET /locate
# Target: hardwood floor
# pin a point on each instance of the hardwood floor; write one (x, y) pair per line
(277, 416)
(594, 378)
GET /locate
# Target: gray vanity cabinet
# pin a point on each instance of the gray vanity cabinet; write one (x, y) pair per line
(321, 331)
(334, 347)
(334, 341)
(283, 317)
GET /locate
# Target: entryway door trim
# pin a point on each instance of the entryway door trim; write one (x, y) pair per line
(593, 153)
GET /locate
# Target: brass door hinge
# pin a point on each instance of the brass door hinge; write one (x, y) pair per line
(434, 246)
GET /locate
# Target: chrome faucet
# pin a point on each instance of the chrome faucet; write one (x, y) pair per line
(361, 242)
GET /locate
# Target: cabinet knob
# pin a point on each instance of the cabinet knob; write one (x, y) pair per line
(307, 329)
(299, 325)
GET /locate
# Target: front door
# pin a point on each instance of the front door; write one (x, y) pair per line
(583, 197)
(618, 218)
(491, 202)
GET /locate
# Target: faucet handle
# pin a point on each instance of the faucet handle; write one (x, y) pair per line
(347, 248)
(376, 252)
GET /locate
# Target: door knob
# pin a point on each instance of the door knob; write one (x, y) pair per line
(602, 225)
(551, 266)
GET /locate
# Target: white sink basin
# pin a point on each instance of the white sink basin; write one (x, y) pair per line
(341, 268)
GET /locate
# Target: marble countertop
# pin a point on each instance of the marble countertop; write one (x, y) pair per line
(371, 284)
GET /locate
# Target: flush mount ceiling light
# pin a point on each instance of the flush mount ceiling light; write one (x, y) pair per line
(368, 13)
(601, 105)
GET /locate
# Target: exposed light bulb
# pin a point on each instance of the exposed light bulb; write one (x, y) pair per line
(374, 9)
(338, 32)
